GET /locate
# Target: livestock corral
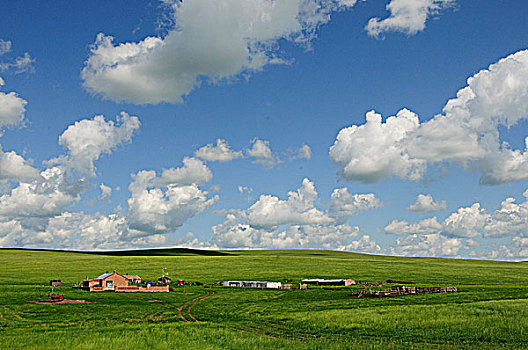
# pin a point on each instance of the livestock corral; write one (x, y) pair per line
(400, 290)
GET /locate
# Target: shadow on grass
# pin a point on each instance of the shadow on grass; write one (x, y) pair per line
(140, 252)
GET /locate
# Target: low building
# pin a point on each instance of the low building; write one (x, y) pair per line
(274, 285)
(325, 282)
(253, 284)
(55, 283)
(133, 279)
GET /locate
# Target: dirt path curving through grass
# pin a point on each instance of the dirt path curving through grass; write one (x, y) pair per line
(187, 306)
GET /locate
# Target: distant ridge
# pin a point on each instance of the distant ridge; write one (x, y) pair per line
(235, 252)
(135, 252)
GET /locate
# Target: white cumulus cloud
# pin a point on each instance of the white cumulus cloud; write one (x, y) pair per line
(377, 150)
(426, 204)
(15, 167)
(427, 245)
(219, 153)
(5, 46)
(364, 244)
(511, 219)
(87, 139)
(269, 211)
(466, 222)
(106, 191)
(162, 204)
(261, 152)
(39, 197)
(34, 212)
(193, 171)
(344, 204)
(295, 222)
(467, 133)
(426, 226)
(84, 231)
(304, 152)
(472, 224)
(211, 41)
(159, 211)
(20, 64)
(11, 233)
(12, 109)
(406, 16)
(235, 232)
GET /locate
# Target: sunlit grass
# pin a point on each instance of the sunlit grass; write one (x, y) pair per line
(489, 312)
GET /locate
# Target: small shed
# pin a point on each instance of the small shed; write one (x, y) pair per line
(165, 279)
(274, 285)
(55, 283)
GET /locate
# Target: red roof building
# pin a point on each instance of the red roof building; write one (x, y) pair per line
(107, 282)
(113, 281)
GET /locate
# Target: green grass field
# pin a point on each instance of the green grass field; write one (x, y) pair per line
(489, 312)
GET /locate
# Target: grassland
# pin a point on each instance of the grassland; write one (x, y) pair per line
(489, 312)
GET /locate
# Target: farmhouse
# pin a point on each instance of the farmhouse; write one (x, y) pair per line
(106, 282)
(324, 282)
(113, 281)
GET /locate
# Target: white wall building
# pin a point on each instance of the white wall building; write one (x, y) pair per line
(253, 284)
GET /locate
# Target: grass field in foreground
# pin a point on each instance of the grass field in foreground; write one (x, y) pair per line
(489, 312)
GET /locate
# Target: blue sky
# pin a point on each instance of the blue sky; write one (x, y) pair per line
(285, 86)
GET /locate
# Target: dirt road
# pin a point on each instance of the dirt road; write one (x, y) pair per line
(184, 310)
